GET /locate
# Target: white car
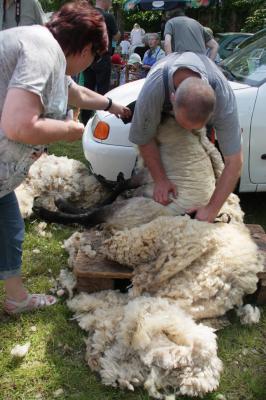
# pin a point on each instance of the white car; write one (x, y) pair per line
(109, 152)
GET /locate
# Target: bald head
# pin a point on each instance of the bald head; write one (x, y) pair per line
(194, 101)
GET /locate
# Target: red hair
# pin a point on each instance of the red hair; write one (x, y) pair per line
(76, 25)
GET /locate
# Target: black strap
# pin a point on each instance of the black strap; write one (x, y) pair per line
(206, 61)
(167, 105)
(17, 11)
(4, 11)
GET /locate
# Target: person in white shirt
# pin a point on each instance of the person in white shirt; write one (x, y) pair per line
(125, 45)
(136, 35)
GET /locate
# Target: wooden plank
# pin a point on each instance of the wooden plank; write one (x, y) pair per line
(100, 267)
(91, 285)
(98, 273)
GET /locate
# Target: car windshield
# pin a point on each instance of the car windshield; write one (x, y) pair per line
(252, 39)
(249, 64)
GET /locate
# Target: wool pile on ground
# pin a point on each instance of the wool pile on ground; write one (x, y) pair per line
(149, 342)
(51, 176)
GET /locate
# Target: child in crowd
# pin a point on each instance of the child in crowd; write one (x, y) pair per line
(118, 71)
(125, 45)
(133, 68)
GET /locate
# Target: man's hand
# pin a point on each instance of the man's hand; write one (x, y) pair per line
(120, 111)
(75, 131)
(161, 191)
(203, 213)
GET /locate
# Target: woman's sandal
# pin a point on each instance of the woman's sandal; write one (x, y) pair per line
(31, 303)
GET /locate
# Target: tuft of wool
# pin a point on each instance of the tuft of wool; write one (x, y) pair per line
(20, 350)
(169, 397)
(72, 246)
(81, 241)
(67, 281)
(147, 341)
(248, 314)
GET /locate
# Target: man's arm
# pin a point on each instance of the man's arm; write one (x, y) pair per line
(79, 96)
(168, 44)
(162, 185)
(112, 26)
(214, 47)
(225, 186)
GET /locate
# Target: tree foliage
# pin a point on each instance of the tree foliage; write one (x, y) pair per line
(250, 13)
(246, 15)
(256, 21)
(51, 5)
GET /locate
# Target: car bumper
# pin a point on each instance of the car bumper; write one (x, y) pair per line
(106, 160)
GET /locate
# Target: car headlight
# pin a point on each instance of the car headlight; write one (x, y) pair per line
(100, 129)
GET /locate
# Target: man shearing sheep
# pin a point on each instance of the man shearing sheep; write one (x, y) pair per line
(199, 94)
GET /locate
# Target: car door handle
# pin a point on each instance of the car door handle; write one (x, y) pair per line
(263, 157)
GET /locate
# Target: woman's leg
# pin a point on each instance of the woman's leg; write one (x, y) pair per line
(11, 240)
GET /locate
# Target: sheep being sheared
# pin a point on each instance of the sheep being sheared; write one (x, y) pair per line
(190, 161)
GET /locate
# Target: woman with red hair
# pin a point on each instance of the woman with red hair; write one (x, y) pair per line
(34, 94)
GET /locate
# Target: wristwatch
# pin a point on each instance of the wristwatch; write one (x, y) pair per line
(109, 105)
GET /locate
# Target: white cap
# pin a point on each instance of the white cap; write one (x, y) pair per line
(134, 59)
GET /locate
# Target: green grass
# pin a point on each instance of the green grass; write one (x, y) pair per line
(71, 150)
(56, 356)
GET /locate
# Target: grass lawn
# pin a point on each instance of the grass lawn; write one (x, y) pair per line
(56, 356)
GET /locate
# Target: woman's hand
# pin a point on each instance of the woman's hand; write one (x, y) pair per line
(75, 131)
(120, 111)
